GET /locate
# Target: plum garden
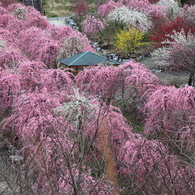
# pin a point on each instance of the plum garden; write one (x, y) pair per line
(73, 131)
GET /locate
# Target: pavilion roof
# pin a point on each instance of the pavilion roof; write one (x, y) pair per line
(86, 59)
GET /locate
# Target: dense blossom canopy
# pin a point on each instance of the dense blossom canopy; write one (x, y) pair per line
(71, 130)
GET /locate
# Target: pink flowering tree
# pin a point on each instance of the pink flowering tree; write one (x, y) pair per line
(12, 25)
(10, 88)
(3, 10)
(106, 8)
(30, 110)
(39, 47)
(127, 86)
(74, 45)
(92, 25)
(60, 33)
(144, 162)
(45, 128)
(140, 83)
(31, 74)
(170, 116)
(10, 56)
(8, 37)
(6, 3)
(103, 82)
(18, 10)
(138, 4)
(58, 81)
(34, 18)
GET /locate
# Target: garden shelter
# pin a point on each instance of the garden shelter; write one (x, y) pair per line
(85, 59)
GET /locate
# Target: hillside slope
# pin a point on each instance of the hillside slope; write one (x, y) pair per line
(57, 7)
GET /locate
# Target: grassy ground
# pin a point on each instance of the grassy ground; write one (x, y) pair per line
(57, 7)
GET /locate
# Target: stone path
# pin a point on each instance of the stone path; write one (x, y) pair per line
(170, 77)
(58, 21)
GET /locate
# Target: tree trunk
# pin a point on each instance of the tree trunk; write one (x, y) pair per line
(191, 80)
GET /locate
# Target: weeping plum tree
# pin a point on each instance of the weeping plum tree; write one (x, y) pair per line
(144, 162)
(54, 142)
(58, 81)
(18, 10)
(103, 82)
(178, 54)
(106, 8)
(6, 3)
(34, 18)
(60, 33)
(127, 86)
(39, 47)
(92, 25)
(170, 115)
(9, 36)
(10, 88)
(130, 17)
(10, 56)
(11, 23)
(74, 45)
(31, 75)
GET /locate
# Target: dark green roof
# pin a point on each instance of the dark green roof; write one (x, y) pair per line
(85, 59)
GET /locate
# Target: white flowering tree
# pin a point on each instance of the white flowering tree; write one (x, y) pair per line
(188, 13)
(178, 53)
(172, 7)
(130, 17)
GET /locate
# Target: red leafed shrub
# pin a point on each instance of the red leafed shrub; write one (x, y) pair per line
(161, 32)
(80, 8)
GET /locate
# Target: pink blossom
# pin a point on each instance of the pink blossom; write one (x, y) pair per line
(92, 25)
(104, 9)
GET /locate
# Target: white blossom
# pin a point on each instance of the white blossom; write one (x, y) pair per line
(161, 55)
(172, 7)
(2, 44)
(77, 110)
(180, 38)
(177, 41)
(130, 17)
(188, 13)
